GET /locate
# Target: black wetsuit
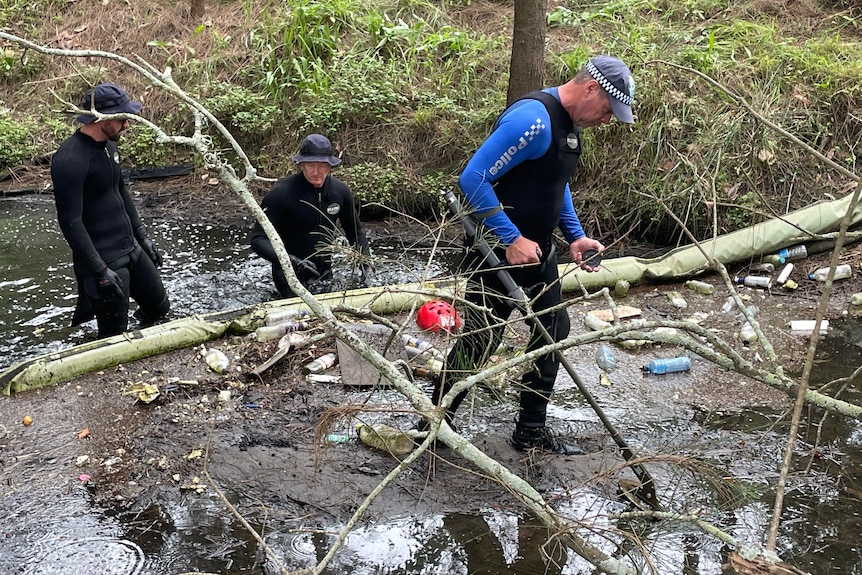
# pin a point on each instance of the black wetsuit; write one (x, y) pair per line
(102, 227)
(305, 219)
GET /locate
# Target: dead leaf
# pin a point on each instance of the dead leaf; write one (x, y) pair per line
(83, 433)
(195, 454)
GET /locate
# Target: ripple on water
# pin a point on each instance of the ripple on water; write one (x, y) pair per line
(103, 555)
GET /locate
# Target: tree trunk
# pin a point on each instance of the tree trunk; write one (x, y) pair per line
(526, 69)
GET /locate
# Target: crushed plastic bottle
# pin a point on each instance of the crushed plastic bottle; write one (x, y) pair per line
(320, 364)
(668, 365)
(337, 438)
(700, 287)
(605, 358)
(216, 360)
(728, 304)
(842, 271)
(385, 438)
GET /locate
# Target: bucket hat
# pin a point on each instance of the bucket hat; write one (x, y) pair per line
(614, 77)
(316, 148)
(107, 98)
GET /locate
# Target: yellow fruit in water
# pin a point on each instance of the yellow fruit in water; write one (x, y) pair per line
(27, 420)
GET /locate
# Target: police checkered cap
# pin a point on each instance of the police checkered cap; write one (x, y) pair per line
(614, 77)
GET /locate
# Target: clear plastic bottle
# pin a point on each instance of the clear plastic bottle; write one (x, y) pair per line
(668, 365)
(385, 438)
(605, 358)
(677, 300)
(320, 364)
(277, 317)
(754, 281)
(268, 332)
(843, 271)
(700, 287)
(795, 253)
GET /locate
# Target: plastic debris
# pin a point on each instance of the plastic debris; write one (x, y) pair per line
(605, 358)
(216, 360)
(842, 271)
(668, 365)
(385, 438)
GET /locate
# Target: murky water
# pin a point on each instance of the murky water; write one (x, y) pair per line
(210, 268)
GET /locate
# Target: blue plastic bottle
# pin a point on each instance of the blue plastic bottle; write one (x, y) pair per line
(668, 365)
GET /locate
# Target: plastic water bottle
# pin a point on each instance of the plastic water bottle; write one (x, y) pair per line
(700, 287)
(277, 317)
(320, 364)
(794, 253)
(668, 365)
(605, 358)
(754, 281)
(841, 272)
(268, 332)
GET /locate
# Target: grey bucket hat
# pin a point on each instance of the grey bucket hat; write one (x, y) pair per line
(316, 148)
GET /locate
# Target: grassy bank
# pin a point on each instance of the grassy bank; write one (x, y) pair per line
(408, 89)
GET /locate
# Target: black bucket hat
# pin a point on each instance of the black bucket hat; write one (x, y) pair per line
(107, 98)
(316, 148)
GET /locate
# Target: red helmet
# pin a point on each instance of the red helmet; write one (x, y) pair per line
(436, 315)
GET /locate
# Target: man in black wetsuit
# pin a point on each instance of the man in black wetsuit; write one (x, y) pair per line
(516, 186)
(304, 208)
(112, 256)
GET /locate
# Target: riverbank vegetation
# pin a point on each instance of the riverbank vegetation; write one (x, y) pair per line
(409, 89)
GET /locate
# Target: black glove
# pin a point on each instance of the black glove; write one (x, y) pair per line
(110, 285)
(150, 249)
(305, 266)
